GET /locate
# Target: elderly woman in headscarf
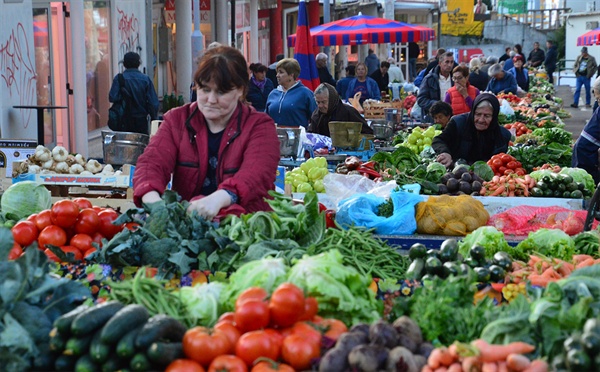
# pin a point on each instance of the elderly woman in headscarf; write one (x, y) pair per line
(331, 108)
(473, 136)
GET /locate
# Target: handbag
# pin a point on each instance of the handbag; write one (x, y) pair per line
(119, 112)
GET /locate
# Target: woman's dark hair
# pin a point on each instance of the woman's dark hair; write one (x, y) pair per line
(225, 67)
(257, 67)
(440, 107)
(385, 64)
(519, 48)
(464, 70)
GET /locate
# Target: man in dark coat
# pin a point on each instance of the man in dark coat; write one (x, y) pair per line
(585, 151)
(536, 56)
(331, 108)
(435, 85)
(550, 60)
(324, 74)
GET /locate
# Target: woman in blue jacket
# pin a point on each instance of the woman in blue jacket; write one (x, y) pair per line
(520, 73)
(259, 87)
(363, 84)
(291, 104)
(501, 81)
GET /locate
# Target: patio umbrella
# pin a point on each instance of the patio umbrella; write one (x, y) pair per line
(363, 29)
(303, 52)
(589, 38)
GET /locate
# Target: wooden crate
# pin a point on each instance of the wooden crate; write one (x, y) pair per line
(376, 110)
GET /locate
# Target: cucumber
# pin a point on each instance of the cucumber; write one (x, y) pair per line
(128, 318)
(78, 345)
(417, 250)
(159, 327)
(112, 364)
(65, 363)
(415, 270)
(58, 341)
(94, 317)
(139, 362)
(163, 353)
(85, 364)
(126, 345)
(99, 351)
(63, 323)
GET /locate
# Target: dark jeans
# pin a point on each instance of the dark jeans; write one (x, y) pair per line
(582, 81)
(412, 69)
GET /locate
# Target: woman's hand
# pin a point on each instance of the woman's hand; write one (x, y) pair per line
(209, 206)
(445, 159)
(462, 89)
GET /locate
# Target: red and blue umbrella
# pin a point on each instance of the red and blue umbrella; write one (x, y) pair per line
(303, 51)
(363, 29)
(589, 38)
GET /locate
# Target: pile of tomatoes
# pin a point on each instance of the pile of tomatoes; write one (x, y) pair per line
(520, 128)
(280, 333)
(503, 164)
(73, 225)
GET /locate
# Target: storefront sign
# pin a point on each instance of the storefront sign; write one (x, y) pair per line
(457, 20)
(204, 11)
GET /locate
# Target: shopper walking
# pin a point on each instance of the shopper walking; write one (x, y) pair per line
(585, 67)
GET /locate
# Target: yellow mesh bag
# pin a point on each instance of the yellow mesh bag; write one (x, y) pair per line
(450, 215)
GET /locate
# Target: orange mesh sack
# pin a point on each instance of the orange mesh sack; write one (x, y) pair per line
(524, 219)
(450, 215)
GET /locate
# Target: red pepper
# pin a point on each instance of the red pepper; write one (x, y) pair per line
(368, 164)
(330, 219)
(368, 171)
(322, 207)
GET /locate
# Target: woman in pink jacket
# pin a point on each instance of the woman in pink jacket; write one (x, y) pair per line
(222, 153)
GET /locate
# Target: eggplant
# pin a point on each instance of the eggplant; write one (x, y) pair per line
(383, 334)
(334, 360)
(368, 358)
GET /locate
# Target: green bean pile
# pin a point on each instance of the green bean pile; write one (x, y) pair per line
(150, 293)
(369, 255)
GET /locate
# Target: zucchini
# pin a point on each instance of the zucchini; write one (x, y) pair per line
(163, 353)
(99, 351)
(63, 323)
(139, 362)
(433, 266)
(94, 317)
(58, 341)
(128, 318)
(415, 270)
(448, 250)
(78, 345)
(112, 364)
(159, 327)
(126, 345)
(417, 250)
(86, 364)
(65, 363)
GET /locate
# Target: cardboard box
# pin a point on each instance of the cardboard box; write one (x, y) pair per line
(280, 180)
(13, 151)
(122, 180)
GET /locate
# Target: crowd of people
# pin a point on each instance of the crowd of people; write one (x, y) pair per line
(226, 141)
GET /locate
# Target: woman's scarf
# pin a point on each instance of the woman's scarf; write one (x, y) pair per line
(483, 139)
(259, 84)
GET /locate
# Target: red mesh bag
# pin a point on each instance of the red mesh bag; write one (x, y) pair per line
(524, 219)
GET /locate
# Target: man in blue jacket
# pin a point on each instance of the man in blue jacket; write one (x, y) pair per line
(501, 81)
(550, 60)
(435, 85)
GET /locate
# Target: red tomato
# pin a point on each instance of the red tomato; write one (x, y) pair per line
(107, 228)
(43, 219)
(89, 252)
(25, 233)
(83, 242)
(83, 203)
(497, 163)
(51, 256)
(501, 169)
(311, 307)
(184, 365)
(506, 158)
(64, 213)
(97, 208)
(255, 344)
(233, 334)
(271, 366)
(203, 347)
(15, 252)
(334, 328)
(78, 256)
(32, 218)
(228, 317)
(298, 352)
(227, 363)
(308, 332)
(286, 305)
(252, 293)
(276, 337)
(87, 222)
(132, 226)
(53, 235)
(511, 164)
(252, 315)
(97, 238)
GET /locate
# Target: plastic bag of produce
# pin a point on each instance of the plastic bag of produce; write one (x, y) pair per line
(524, 219)
(341, 186)
(361, 210)
(450, 215)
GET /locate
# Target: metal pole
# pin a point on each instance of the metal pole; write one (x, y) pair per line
(233, 23)
(183, 40)
(79, 78)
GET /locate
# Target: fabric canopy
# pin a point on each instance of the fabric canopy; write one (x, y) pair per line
(303, 53)
(589, 38)
(363, 29)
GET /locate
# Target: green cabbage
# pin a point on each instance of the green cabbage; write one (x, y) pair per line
(202, 303)
(581, 175)
(25, 198)
(539, 174)
(549, 242)
(487, 237)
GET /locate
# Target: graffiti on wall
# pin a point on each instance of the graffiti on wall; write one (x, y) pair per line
(129, 33)
(17, 69)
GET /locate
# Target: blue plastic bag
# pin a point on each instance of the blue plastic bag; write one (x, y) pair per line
(361, 210)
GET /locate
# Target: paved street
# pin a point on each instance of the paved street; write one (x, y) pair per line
(579, 116)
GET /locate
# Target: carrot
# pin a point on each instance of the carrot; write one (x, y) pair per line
(455, 367)
(597, 261)
(537, 365)
(551, 273)
(495, 353)
(578, 258)
(517, 362)
(441, 369)
(471, 364)
(517, 265)
(489, 367)
(586, 263)
(426, 369)
(533, 260)
(434, 359)
(564, 269)
(446, 358)
(453, 351)
(502, 367)
(498, 191)
(540, 281)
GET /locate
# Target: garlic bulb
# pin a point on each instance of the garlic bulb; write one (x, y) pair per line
(76, 168)
(79, 159)
(108, 170)
(62, 167)
(34, 169)
(48, 164)
(42, 154)
(93, 166)
(86, 173)
(59, 154)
